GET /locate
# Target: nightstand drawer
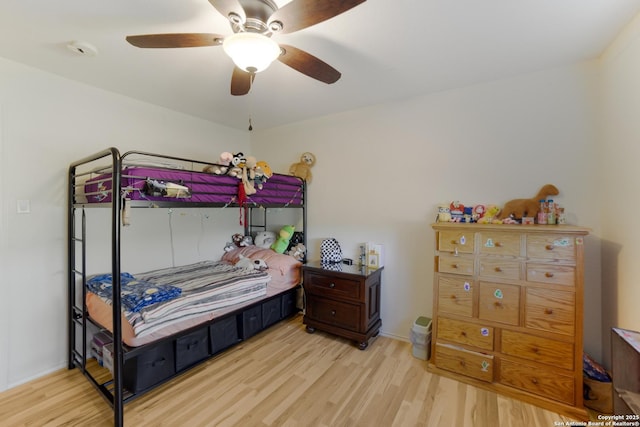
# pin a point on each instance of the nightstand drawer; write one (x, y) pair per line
(336, 313)
(550, 310)
(456, 241)
(538, 349)
(553, 274)
(465, 333)
(336, 287)
(542, 382)
(469, 363)
(455, 265)
(497, 243)
(455, 295)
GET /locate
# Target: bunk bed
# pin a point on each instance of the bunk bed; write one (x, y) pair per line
(163, 322)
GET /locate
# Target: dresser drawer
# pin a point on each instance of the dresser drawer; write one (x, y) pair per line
(336, 287)
(496, 268)
(454, 240)
(465, 362)
(552, 247)
(550, 310)
(499, 303)
(542, 382)
(455, 295)
(498, 243)
(336, 313)
(543, 350)
(465, 333)
(455, 265)
(554, 274)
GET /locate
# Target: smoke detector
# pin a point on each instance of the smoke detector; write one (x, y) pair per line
(82, 48)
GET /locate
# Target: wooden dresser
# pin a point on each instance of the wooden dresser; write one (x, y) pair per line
(343, 300)
(508, 308)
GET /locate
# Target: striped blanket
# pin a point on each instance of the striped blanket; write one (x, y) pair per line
(204, 286)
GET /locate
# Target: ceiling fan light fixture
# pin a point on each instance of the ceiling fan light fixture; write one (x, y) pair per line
(251, 52)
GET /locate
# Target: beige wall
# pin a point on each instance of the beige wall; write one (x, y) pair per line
(619, 197)
(47, 122)
(381, 172)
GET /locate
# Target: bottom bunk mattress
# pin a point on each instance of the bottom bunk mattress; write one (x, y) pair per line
(204, 295)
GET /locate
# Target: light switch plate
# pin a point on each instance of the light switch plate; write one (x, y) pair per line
(23, 206)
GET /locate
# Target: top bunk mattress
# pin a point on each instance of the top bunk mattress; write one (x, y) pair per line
(156, 184)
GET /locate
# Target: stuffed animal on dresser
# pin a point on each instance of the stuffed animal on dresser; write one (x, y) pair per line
(519, 208)
(302, 169)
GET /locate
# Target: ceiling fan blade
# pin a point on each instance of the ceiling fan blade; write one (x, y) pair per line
(301, 14)
(228, 7)
(176, 40)
(308, 64)
(241, 82)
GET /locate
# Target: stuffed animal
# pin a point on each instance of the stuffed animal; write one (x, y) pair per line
(229, 246)
(264, 239)
(280, 245)
(298, 252)
(491, 215)
(251, 264)
(519, 208)
(444, 213)
(248, 175)
(241, 241)
(457, 210)
(223, 164)
(237, 163)
(302, 169)
(263, 173)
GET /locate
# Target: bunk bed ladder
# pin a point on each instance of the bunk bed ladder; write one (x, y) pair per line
(78, 318)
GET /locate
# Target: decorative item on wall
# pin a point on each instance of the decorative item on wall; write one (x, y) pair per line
(302, 169)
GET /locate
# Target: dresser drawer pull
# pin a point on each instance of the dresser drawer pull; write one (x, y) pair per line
(548, 274)
(454, 297)
(498, 269)
(549, 247)
(333, 312)
(454, 265)
(497, 304)
(548, 311)
(332, 285)
(536, 350)
(498, 244)
(534, 380)
(463, 334)
(462, 363)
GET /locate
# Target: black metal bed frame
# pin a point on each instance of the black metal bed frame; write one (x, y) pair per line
(114, 391)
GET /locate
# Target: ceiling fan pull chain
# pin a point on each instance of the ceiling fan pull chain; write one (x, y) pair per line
(250, 101)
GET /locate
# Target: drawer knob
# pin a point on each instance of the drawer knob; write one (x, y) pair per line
(497, 304)
(536, 350)
(549, 247)
(462, 363)
(498, 245)
(333, 312)
(548, 311)
(332, 285)
(454, 266)
(548, 274)
(454, 297)
(498, 270)
(463, 333)
(534, 380)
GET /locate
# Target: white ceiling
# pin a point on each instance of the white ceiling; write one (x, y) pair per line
(385, 49)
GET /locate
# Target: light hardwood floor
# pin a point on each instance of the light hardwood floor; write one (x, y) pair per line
(283, 377)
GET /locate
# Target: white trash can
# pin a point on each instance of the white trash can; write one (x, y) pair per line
(421, 338)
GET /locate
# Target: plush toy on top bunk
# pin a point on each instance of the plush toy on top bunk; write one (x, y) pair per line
(302, 169)
(222, 166)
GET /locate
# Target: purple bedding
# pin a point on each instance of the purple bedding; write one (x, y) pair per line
(202, 187)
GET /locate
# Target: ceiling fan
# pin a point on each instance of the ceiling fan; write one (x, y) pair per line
(250, 47)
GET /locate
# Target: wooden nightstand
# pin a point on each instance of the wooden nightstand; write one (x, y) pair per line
(343, 300)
